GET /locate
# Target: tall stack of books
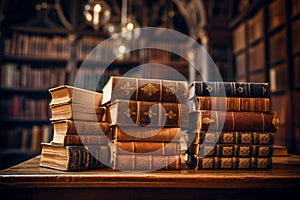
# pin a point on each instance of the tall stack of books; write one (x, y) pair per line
(146, 116)
(78, 120)
(231, 131)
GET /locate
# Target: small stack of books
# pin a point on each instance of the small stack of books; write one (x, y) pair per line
(231, 131)
(146, 116)
(78, 120)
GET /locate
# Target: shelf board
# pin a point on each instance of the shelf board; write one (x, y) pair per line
(19, 58)
(23, 120)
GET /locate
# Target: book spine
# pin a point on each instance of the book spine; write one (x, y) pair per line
(88, 157)
(145, 90)
(232, 104)
(146, 134)
(78, 140)
(85, 127)
(150, 148)
(195, 162)
(227, 150)
(266, 138)
(204, 120)
(142, 113)
(145, 162)
(230, 89)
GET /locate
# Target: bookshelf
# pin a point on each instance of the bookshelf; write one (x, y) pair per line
(266, 48)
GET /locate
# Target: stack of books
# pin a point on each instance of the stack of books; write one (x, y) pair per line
(231, 131)
(79, 122)
(146, 117)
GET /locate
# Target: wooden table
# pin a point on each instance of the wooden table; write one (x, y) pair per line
(28, 181)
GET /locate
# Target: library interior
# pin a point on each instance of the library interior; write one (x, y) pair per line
(51, 48)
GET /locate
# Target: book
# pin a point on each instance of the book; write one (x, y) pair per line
(69, 127)
(153, 134)
(280, 150)
(145, 162)
(231, 150)
(143, 89)
(231, 137)
(150, 148)
(232, 104)
(230, 89)
(67, 140)
(204, 120)
(146, 113)
(74, 111)
(74, 158)
(215, 162)
(65, 94)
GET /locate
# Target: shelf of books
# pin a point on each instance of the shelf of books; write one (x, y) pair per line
(263, 52)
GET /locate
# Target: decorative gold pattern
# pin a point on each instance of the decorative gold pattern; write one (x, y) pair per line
(207, 163)
(149, 89)
(209, 88)
(240, 89)
(127, 88)
(207, 120)
(244, 151)
(263, 151)
(150, 113)
(264, 138)
(128, 113)
(275, 121)
(170, 90)
(228, 138)
(244, 163)
(246, 138)
(227, 151)
(226, 163)
(170, 114)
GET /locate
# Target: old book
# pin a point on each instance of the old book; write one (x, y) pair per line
(65, 94)
(195, 162)
(69, 127)
(146, 113)
(74, 158)
(232, 104)
(280, 150)
(78, 112)
(231, 137)
(67, 140)
(229, 89)
(150, 148)
(204, 120)
(231, 150)
(142, 89)
(145, 162)
(154, 134)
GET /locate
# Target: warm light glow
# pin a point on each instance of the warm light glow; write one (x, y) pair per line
(122, 49)
(97, 8)
(88, 16)
(130, 26)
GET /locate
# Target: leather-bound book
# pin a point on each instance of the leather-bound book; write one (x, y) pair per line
(142, 89)
(67, 140)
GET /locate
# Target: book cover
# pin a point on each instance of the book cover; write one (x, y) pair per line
(74, 158)
(231, 137)
(253, 163)
(204, 120)
(66, 94)
(231, 150)
(146, 113)
(231, 89)
(154, 134)
(142, 89)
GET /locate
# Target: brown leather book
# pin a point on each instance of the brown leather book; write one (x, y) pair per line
(78, 111)
(215, 162)
(232, 104)
(231, 150)
(65, 94)
(74, 158)
(231, 137)
(65, 140)
(145, 162)
(146, 113)
(150, 148)
(204, 120)
(142, 89)
(69, 127)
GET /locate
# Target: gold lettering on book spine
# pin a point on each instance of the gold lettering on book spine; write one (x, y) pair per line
(149, 89)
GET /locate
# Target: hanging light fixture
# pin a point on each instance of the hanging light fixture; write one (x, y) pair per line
(96, 13)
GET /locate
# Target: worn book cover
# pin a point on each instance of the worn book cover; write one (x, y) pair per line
(146, 113)
(230, 137)
(231, 150)
(67, 140)
(231, 104)
(204, 120)
(66, 94)
(143, 89)
(74, 158)
(155, 134)
(229, 89)
(253, 163)
(70, 127)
